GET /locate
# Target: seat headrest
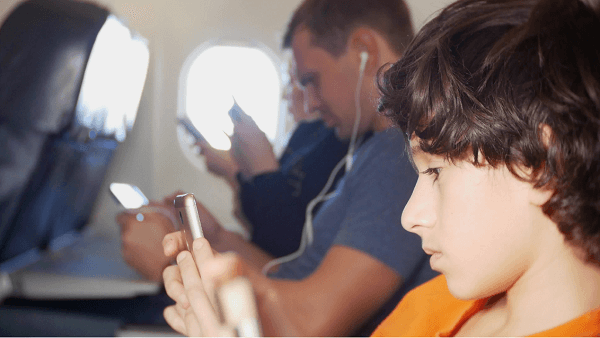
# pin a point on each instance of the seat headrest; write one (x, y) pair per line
(70, 64)
(44, 49)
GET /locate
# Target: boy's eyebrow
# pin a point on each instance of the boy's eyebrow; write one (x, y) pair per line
(414, 150)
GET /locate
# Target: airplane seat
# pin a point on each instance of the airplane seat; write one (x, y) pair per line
(71, 77)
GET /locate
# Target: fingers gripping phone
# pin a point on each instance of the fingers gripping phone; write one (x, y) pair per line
(128, 195)
(187, 212)
(236, 302)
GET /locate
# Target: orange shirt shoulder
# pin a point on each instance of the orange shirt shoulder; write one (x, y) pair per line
(431, 310)
(426, 311)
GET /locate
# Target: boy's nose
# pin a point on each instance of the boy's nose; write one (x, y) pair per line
(419, 212)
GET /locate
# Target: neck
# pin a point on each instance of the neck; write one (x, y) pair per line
(552, 293)
(378, 122)
(381, 123)
(386, 56)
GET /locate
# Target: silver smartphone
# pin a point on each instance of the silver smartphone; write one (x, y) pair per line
(128, 195)
(187, 213)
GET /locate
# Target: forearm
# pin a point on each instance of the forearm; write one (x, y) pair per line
(304, 310)
(333, 301)
(231, 241)
(293, 308)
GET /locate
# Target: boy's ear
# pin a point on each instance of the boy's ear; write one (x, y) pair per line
(536, 196)
(545, 133)
(540, 196)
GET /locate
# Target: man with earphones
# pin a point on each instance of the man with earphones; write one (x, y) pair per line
(355, 261)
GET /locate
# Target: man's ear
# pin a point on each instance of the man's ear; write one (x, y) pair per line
(362, 40)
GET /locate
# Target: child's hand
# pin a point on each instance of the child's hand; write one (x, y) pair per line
(195, 312)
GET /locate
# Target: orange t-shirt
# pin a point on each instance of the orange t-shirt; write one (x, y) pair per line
(431, 310)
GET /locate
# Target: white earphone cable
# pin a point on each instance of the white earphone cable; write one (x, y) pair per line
(307, 231)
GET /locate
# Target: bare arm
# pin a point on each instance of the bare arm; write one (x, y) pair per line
(223, 240)
(231, 241)
(347, 288)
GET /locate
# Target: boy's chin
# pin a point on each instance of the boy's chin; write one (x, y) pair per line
(470, 289)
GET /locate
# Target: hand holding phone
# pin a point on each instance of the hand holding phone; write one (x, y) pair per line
(187, 213)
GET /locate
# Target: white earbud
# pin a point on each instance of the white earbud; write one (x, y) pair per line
(364, 56)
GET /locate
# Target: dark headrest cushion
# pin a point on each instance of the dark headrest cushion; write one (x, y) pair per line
(44, 49)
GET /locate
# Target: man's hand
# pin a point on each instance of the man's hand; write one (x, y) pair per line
(141, 238)
(219, 162)
(251, 149)
(169, 200)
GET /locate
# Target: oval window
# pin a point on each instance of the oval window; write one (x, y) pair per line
(217, 75)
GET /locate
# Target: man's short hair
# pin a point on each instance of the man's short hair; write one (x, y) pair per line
(483, 80)
(332, 21)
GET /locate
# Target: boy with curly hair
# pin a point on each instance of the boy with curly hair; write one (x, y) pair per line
(501, 103)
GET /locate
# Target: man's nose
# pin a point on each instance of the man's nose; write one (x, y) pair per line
(312, 100)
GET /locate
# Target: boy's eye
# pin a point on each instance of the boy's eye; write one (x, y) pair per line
(433, 171)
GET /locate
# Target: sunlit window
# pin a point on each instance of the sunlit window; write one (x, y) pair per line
(220, 74)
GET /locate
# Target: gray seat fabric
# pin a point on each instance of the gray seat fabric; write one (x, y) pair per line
(51, 165)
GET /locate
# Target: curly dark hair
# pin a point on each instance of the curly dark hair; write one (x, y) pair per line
(485, 77)
(332, 21)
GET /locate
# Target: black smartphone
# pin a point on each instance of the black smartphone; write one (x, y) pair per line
(187, 212)
(128, 195)
(189, 126)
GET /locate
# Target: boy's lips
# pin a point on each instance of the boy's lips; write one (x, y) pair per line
(430, 251)
(435, 256)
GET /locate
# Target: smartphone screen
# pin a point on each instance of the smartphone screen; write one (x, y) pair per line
(128, 195)
(187, 213)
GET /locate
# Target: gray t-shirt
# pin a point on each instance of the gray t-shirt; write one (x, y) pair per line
(365, 215)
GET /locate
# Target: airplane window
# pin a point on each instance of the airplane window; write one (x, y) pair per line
(218, 75)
